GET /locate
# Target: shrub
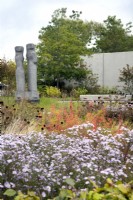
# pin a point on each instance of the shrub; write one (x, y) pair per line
(78, 91)
(52, 91)
(107, 90)
(126, 76)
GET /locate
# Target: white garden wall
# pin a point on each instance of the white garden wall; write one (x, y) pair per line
(107, 66)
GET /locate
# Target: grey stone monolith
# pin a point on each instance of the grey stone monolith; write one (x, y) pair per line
(33, 94)
(20, 75)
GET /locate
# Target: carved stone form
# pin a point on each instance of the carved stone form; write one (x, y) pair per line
(32, 72)
(20, 76)
(31, 94)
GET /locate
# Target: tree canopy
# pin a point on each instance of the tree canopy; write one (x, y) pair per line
(62, 43)
(113, 37)
(7, 73)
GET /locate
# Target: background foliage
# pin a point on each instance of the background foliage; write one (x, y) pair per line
(62, 43)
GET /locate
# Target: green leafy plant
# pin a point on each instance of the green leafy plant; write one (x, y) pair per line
(110, 191)
(107, 90)
(20, 196)
(10, 193)
(126, 76)
(52, 91)
(78, 91)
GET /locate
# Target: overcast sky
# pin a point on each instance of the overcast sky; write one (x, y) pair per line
(21, 20)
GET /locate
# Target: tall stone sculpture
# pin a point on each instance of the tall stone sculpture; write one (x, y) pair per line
(20, 76)
(32, 72)
(31, 94)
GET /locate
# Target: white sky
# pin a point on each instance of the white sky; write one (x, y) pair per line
(21, 20)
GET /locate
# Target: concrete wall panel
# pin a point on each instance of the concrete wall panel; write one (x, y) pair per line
(108, 65)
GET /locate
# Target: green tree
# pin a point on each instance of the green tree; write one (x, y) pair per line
(113, 37)
(62, 43)
(126, 76)
(7, 73)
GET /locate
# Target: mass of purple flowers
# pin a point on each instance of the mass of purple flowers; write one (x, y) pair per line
(41, 162)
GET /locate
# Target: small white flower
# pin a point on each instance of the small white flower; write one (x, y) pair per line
(71, 173)
(48, 188)
(87, 182)
(25, 169)
(7, 184)
(43, 194)
(9, 161)
(92, 177)
(84, 190)
(13, 185)
(48, 175)
(85, 178)
(14, 172)
(1, 186)
(37, 170)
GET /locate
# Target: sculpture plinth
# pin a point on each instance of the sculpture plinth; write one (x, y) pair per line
(32, 93)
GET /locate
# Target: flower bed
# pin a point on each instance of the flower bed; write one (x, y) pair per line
(41, 162)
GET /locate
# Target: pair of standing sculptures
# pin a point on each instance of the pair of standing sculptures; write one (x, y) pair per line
(31, 94)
